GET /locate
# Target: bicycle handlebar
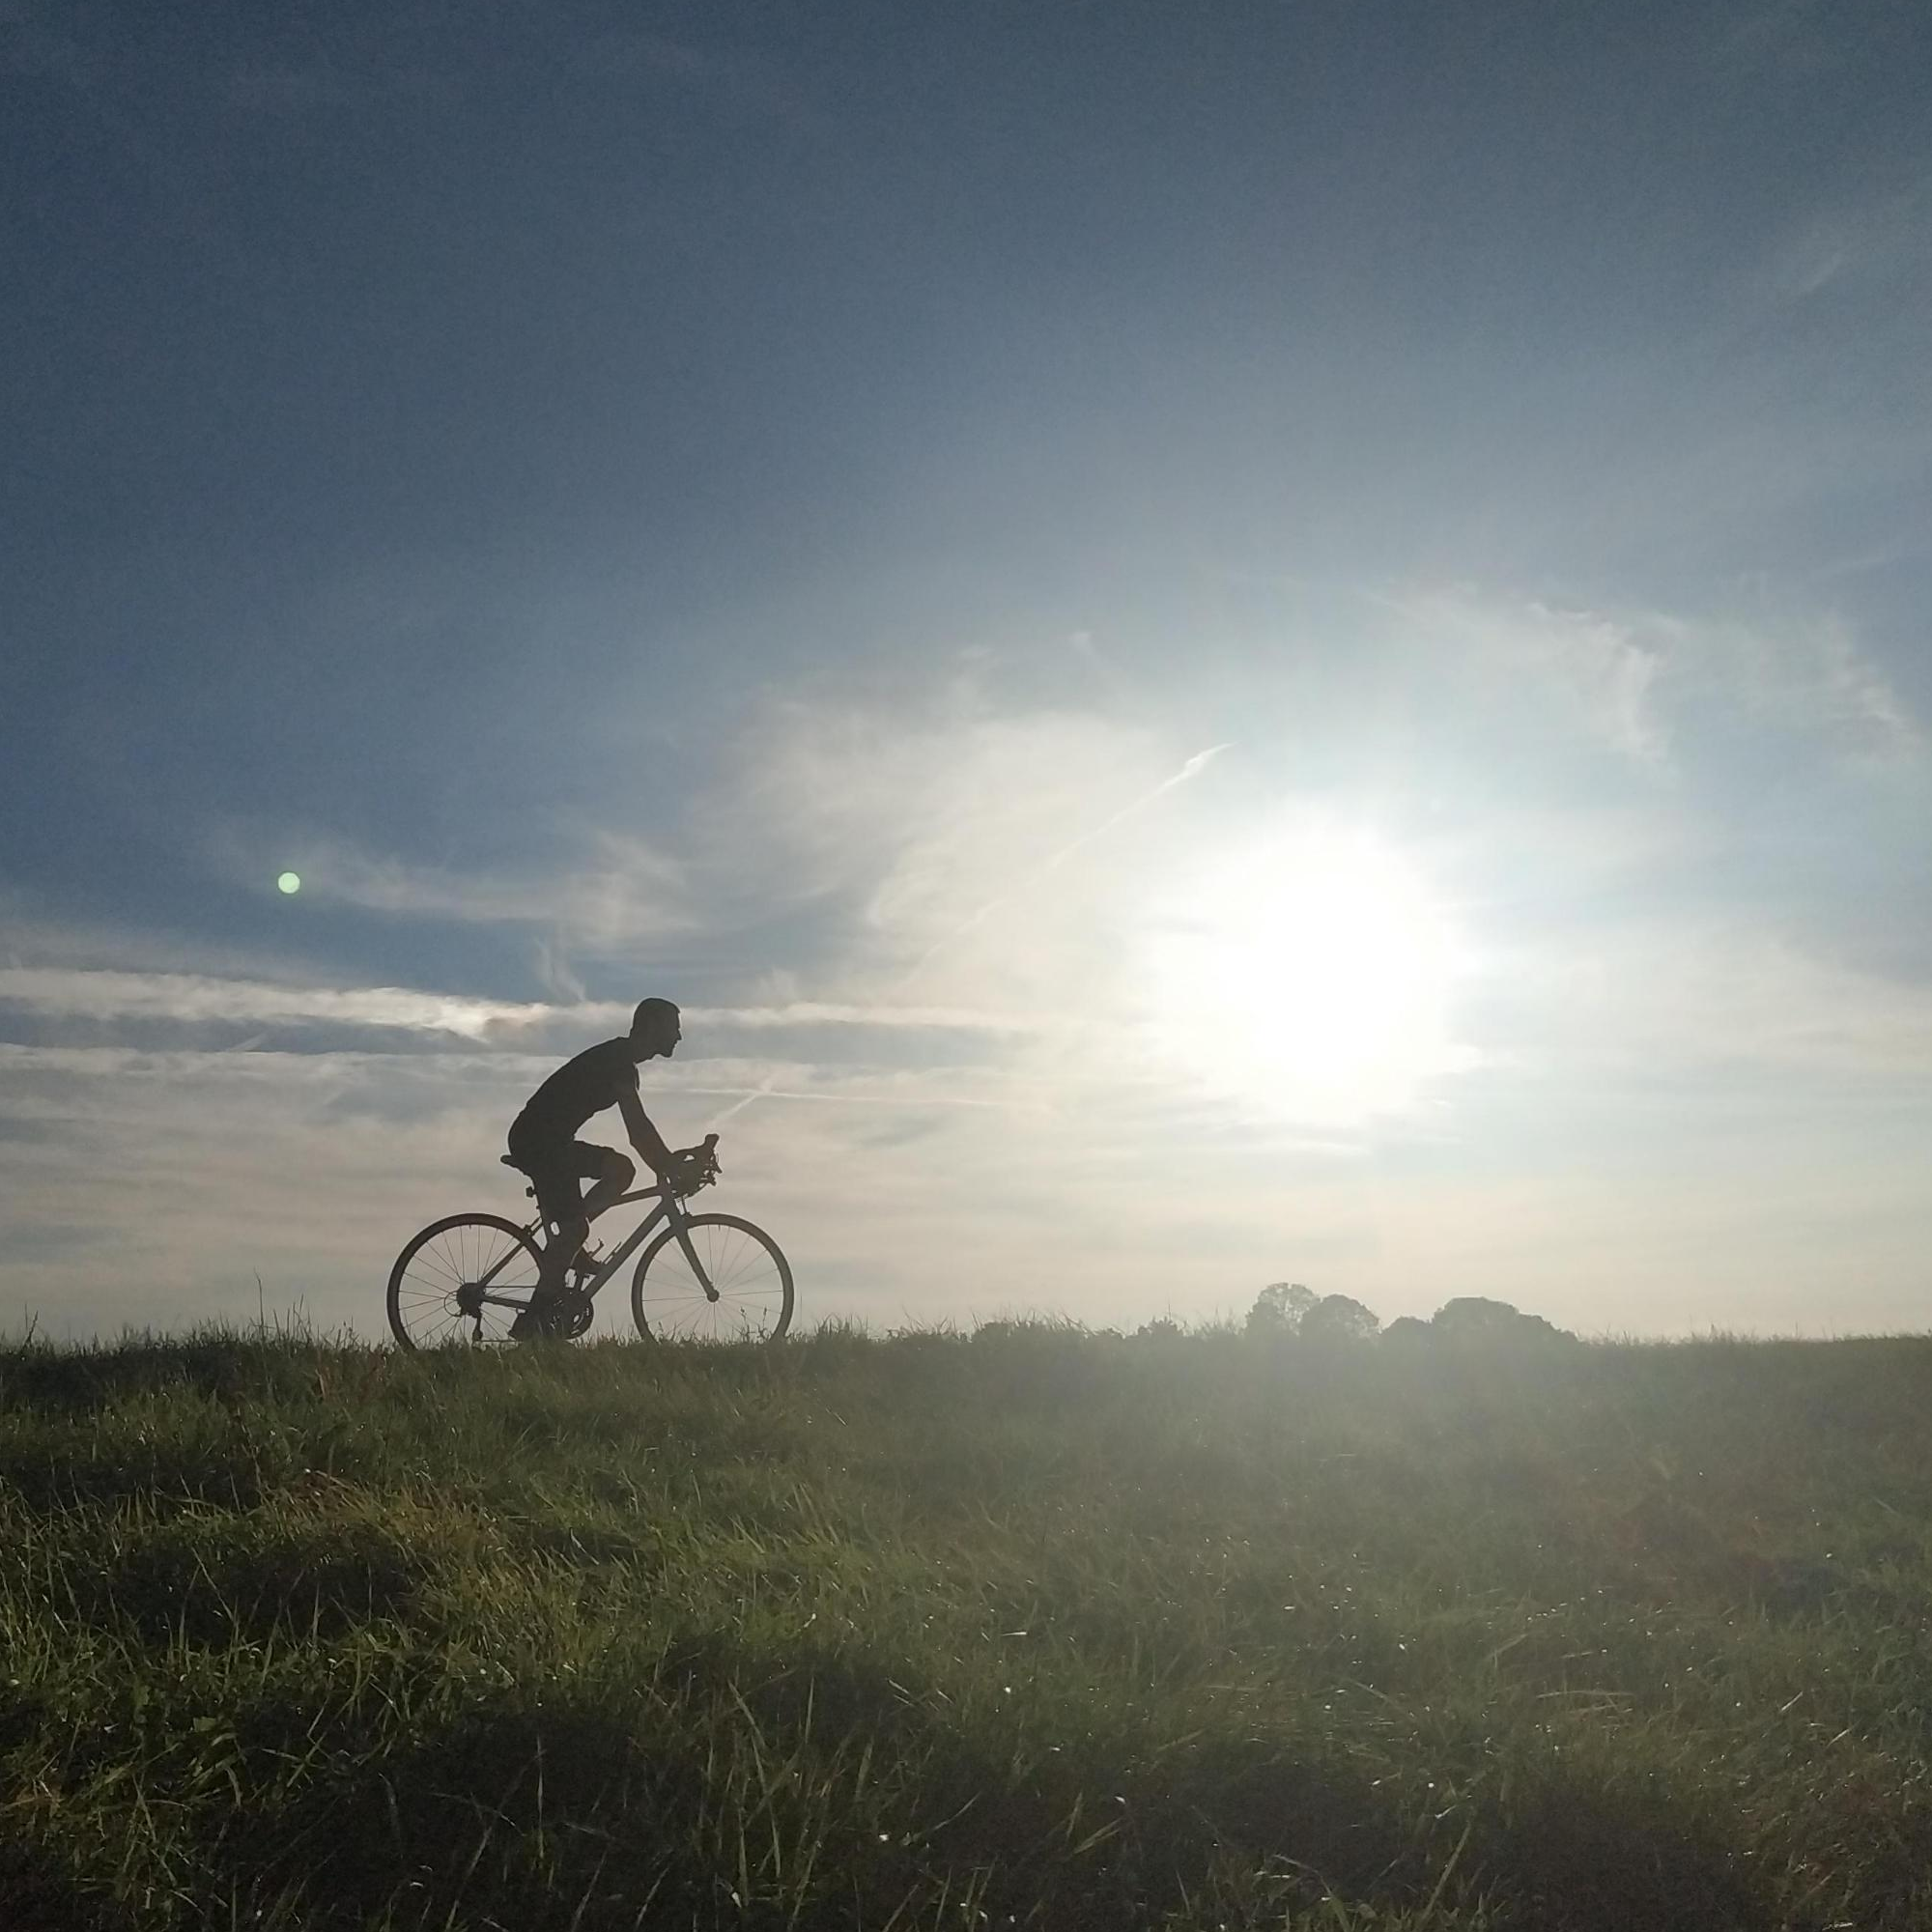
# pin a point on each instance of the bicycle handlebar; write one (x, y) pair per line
(703, 1163)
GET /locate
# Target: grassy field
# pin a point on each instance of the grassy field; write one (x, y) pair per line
(1029, 1628)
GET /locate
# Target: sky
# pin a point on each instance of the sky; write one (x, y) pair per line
(1208, 644)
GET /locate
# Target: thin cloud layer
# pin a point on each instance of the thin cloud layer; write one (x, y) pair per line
(946, 1083)
(1636, 681)
(102, 994)
(619, 891)
(95, 994)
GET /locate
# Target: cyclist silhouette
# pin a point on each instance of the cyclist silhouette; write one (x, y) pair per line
(544, 1144)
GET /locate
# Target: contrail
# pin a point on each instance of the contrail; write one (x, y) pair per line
(738, 1106)
(1052, 863)
(1192, 768)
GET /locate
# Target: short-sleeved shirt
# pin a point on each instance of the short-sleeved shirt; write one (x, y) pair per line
(598, 1077)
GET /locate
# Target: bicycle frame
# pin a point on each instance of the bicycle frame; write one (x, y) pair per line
(669, 1208)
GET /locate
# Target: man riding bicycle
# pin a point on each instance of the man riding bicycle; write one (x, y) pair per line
(544, 1144)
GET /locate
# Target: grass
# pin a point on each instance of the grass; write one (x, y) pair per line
(1032, 1628)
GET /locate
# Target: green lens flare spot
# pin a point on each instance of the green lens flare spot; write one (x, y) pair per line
(289, 882)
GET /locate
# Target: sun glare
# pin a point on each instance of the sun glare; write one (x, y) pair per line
(1308, 975)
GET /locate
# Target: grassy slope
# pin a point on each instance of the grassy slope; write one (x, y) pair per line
(1036, 1627)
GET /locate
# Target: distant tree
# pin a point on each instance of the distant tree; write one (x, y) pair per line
(1477, 1317)
(1281, 1308)
(1162, 1328)
(992, 1333)
(1339, 1318)
(1406, 1329)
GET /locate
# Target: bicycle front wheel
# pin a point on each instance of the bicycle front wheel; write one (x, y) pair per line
(451, 1282)
(742, 1262)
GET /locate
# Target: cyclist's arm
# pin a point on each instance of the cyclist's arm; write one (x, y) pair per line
(644, 1137)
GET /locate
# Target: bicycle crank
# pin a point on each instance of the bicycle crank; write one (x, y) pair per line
(571, 1315)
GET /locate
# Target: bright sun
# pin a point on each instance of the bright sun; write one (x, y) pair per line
(1307, 975)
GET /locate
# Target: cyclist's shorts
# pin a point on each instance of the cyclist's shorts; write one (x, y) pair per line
(560, 1168)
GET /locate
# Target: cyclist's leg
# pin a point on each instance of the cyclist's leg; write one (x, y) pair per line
(552, 1169)
(611, 1173)
(568, 1209)
(558, 1168)
(550, 1164)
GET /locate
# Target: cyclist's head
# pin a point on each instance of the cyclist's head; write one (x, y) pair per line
(655, 1027)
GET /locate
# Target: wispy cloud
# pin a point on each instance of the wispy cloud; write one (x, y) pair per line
(1671, 1001)
(1589, 666)
(1869, 239)
(1630, 679)
(1811, 678)
(102, 994)
(620, 890)
(822, 1012)
(1054, 860)
(193, 998)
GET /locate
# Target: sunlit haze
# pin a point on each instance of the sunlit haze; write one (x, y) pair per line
(1208, 645)
(1306, 974)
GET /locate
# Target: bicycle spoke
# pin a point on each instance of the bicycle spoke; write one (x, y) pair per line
(436, 1293)
(437, 1260)
(731, 1285)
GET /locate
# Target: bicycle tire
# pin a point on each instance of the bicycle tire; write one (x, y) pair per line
(422, 1296)
(755, 1301)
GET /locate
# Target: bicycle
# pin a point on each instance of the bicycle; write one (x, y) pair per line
(706, 1277)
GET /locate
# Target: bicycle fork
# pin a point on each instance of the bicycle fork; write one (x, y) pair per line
(689, 1248)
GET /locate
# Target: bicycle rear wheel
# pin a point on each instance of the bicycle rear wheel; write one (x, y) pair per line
(437, 1287)
(744, 1265)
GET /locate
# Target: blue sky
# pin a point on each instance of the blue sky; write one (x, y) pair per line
(1210, 644)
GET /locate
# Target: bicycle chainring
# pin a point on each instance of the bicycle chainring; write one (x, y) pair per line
(572, 1315)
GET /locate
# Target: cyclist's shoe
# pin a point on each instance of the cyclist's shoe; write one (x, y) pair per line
(563, 1314)
(538, 1317)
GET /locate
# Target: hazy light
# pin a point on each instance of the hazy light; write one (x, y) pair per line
(289, 882)
(1307, 974)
